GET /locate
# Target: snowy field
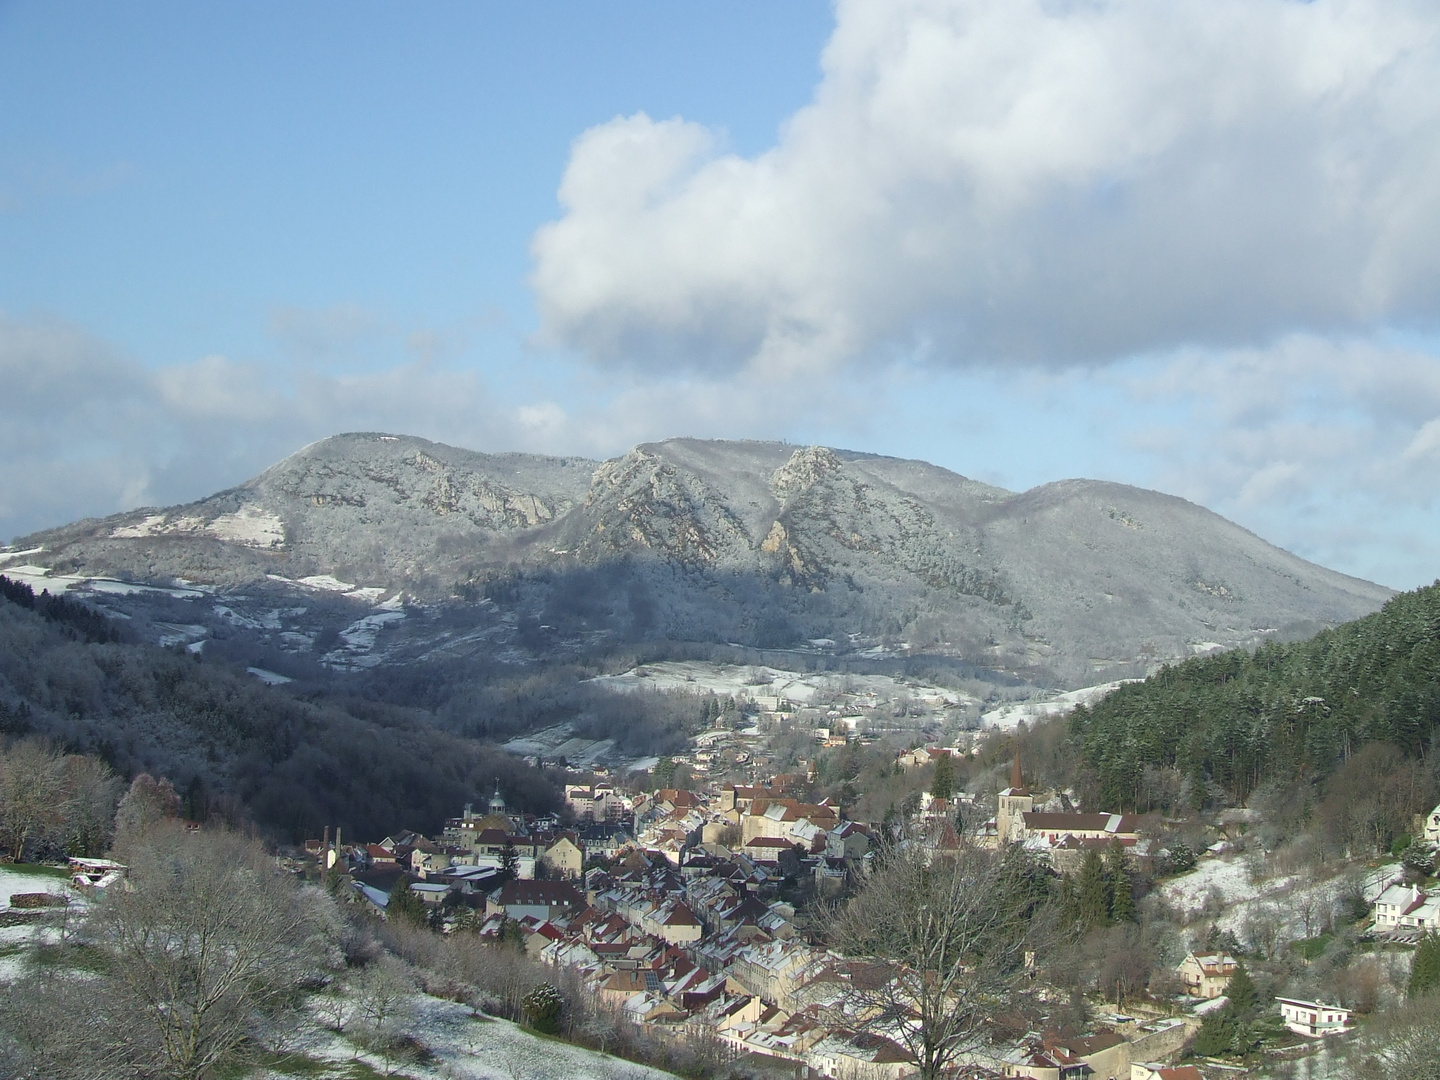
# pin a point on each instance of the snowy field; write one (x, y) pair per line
(758, 681)
(16, 940)
(1223, 891)
(1009, 716)
(466, 1048)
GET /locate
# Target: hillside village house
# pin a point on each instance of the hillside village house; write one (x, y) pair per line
(1407, 907)
(1432, 826)
(1141, 1071)
(788, 819)
(1206, 975)
(539, 900)
(565, 857)
(1312, 1018)
(598, 802)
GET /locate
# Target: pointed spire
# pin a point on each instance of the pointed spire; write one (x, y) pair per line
(1017, 779)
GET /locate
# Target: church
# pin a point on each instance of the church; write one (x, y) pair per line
(1062, 838)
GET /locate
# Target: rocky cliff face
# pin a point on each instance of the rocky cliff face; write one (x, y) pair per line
(760, 543)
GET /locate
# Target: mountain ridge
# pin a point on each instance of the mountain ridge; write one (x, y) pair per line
(762, 543)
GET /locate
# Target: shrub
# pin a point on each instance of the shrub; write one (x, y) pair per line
(542, 1008)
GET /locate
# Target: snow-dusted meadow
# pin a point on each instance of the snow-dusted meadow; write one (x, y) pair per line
(1227, 892)
(37, 928)
(464, 1047)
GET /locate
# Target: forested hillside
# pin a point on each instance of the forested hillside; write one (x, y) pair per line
(1288, 711)
(231, 744)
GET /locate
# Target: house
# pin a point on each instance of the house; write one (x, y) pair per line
(1407, 907)
(541, 900)
(1432, 826)
(430, 892)
(1106, 1054)
(598, 802)
(1206, 975)
(1056, 1064)
(1312, 1019)
(1142, 1071)
(565, 856)
(96, 873)
(848, 840)
(380, 856)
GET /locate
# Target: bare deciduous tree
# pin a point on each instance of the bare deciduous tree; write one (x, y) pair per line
(208, 938)
(92, 791)
(32, 793)
(951, 939)
(1404, 1043)
(146, 803)
(384, 1005)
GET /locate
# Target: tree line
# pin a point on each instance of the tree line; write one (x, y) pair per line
(233, 746)
(1231, 723)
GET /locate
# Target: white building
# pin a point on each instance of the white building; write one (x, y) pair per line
(1432, 826)
(1312, 1019)
(1407, 907)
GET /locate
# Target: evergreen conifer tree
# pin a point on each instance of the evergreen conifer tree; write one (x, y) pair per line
(1122, 899)
(1425, 968)
(943, 784)
(1066, 899)
(509, 862)
(405, 905)
(1241, 993)
(1216, 1034)
(1093, 894)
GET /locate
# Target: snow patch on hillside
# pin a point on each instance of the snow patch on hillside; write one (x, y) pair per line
(759, 682)
(1009, 716)
(251, 526)
(469, 1048)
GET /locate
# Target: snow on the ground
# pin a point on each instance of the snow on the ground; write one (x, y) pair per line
(1225, 879)
(11, 882)
(467, 1048)
(1009, 716)
(6, 555)
(358, 639)
(759, 681)
(327, 582)
(12, 938)
(269, 678)
(251, 526)
(40, 579)
(1235, 901)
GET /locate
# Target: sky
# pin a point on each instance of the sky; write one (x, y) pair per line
(1191, 245)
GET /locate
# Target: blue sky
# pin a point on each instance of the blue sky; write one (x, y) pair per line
(1190, 246)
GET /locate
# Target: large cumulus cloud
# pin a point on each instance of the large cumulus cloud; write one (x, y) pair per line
(990, 181)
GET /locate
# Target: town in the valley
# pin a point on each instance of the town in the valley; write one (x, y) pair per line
(692, 897)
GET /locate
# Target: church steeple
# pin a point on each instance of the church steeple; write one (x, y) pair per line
(1013, 804)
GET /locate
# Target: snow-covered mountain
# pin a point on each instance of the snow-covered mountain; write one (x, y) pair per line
(753, 542)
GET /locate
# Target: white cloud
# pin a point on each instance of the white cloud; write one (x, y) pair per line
(1425, 447)
(985, 181)
(1324, 447)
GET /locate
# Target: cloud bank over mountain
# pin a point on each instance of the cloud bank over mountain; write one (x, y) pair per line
(1042, 182)
(1192, 246)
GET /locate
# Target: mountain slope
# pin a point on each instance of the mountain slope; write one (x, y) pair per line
(760, 543)
(1287, 711)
